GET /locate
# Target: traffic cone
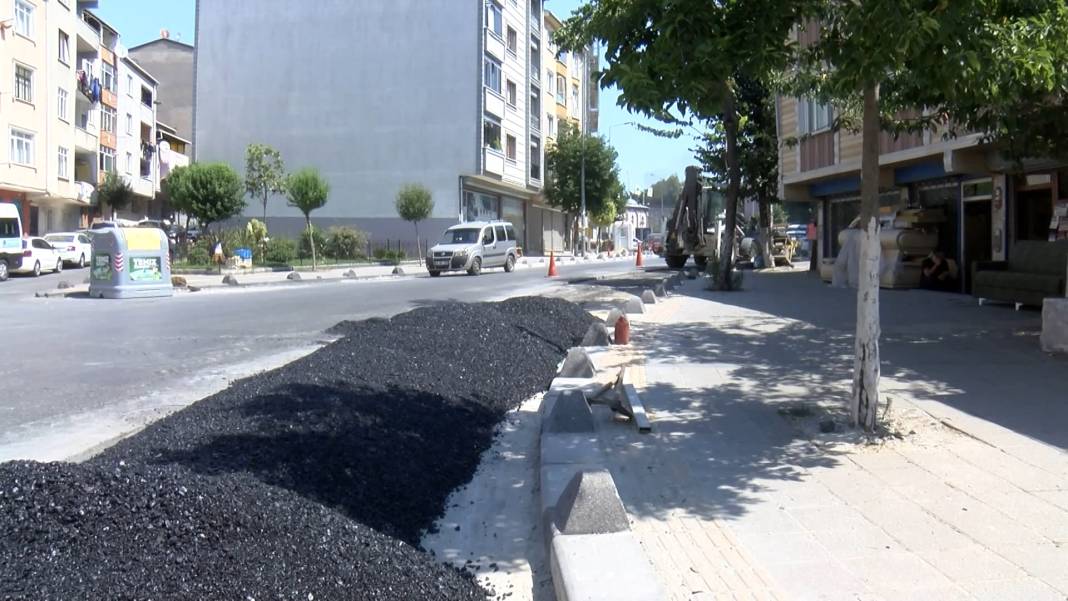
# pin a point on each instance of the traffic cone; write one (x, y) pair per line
(638, 262)
(622, 331)
(552, 265)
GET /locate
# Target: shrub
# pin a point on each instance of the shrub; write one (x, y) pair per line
(255, 234)
(198, 256)
(305, 245)
(280, 250)
(389, 255)
(345, 243)
(232, 240)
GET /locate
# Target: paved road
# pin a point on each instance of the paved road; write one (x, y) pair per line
(80, 371)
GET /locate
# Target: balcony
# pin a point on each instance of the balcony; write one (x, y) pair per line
(493, 103)
(492, 161)
(85, 141)
(817, 151)
(86, 32)
(494, 45)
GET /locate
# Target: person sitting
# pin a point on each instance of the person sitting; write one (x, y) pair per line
(937, 272)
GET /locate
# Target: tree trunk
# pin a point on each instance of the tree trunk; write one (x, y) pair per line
(864, 408)
(730, 130)
(418, 248)
(765, 228)
(265, 209)
(311, 240)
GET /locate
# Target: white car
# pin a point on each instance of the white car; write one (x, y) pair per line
(37, 256)
(75, 248)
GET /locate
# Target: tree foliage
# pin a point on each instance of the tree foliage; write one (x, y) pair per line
(210, 192)
(414, 203)
(307, 191)
(668, 190)
(604, 192)
(115, 192)
(265, 173)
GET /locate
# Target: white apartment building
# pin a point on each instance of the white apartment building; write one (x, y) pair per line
(136, 152)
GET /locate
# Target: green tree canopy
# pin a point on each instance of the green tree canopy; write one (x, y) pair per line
(668, 190)
(414, 203)
(265, 174)
(115, 192)
(604, 192)
(210, 192)
(307, 191)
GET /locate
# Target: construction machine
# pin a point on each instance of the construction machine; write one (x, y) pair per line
(694, 227)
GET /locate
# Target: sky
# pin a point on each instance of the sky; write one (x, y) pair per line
(643, 157)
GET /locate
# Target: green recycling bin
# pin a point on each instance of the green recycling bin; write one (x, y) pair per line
(130, 262)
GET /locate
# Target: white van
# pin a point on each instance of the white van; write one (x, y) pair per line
(10, 239)
(473, 246)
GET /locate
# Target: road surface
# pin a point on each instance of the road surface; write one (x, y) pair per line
(80, 372)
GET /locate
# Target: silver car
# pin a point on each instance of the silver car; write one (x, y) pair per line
(474, 246)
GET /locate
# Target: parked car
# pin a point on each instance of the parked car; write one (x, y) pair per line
(472, 247)
(74, 248)
(37, 256)
(10, 239)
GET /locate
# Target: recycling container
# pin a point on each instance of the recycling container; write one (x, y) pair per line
(130, 262)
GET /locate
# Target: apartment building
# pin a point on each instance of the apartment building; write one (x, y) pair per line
(171, 62)
(444, 93)
(135, 127)
(980, 203)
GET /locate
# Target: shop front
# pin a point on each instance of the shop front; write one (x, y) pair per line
(540, 229)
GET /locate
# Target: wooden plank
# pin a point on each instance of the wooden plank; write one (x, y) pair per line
(637, 409)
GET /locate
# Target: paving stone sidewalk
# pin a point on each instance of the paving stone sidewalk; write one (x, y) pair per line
(738, 494)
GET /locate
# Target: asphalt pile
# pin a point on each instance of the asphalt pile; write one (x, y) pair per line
(319, 476)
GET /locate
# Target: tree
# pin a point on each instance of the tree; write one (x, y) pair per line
(603, 188)
(678, 62)
(667, 190)
(115, 192)
(210, 192)
(265, 174)
(307, 191)
(951, 58)
(414, 204)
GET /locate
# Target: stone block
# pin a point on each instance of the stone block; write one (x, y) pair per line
(554, 479)
(230, 280)
(398, 271)
(590, 504)
(602, 567)
(570, 449)
(1055, 325)
(649, 297)
(569, 414)
(613, 317)
(634, 305)
(660, 289)
(293, 276)
(597, 335)
(577, 364)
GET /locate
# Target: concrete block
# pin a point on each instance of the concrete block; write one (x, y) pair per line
(590, 504)
(634, 305)
(577, 364)
(660, 289)
(230, 280)
(649, 297)
(602, 567)
(570, 449)
(1055, 325)
(398, 270)
(613, 317)
(597, 335)
(569, 414)
(554, 479)
(293, 276)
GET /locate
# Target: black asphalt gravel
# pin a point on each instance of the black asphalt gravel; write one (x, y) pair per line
(380, 425)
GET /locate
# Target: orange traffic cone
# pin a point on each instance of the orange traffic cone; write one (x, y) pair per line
(622, 331)
(638, 262)
(552, 265)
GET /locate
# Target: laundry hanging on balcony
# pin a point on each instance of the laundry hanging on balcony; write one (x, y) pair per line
(96, 90)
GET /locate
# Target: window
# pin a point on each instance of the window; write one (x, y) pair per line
(129, 85)
(62, 97)
(24, 83)
(146, 96)
(63, 162)
(550, 122)
(561, 90)
(494, 18)
(535, 158)
(107, 159)
(574, 96)
(491, 134)
(487, 236)
(511, 94)
(499, 230)
(493, 75)
(64, 47)
(509, 233)
(111, 82)
(562, 57)
(107, 119)
(510, 147)
(813, 117)
(24, 18)
(550, 81)
(129, 163)
(129, 124)
(21, 147)
(513, 41)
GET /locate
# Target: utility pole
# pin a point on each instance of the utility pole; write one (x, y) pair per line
(582, 172)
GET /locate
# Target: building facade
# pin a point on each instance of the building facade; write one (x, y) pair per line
(979, 204)
(443, 93)
(171, 62)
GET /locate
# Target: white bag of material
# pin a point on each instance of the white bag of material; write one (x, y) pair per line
(847, 263)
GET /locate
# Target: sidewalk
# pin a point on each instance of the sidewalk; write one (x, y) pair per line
(737, 493)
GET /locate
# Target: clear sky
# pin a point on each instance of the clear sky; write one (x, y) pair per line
(643, 157)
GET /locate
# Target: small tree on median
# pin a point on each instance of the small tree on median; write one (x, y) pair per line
(307, 191)
(210, 192)
(265, 174)
(414, 204)
(115, 192)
